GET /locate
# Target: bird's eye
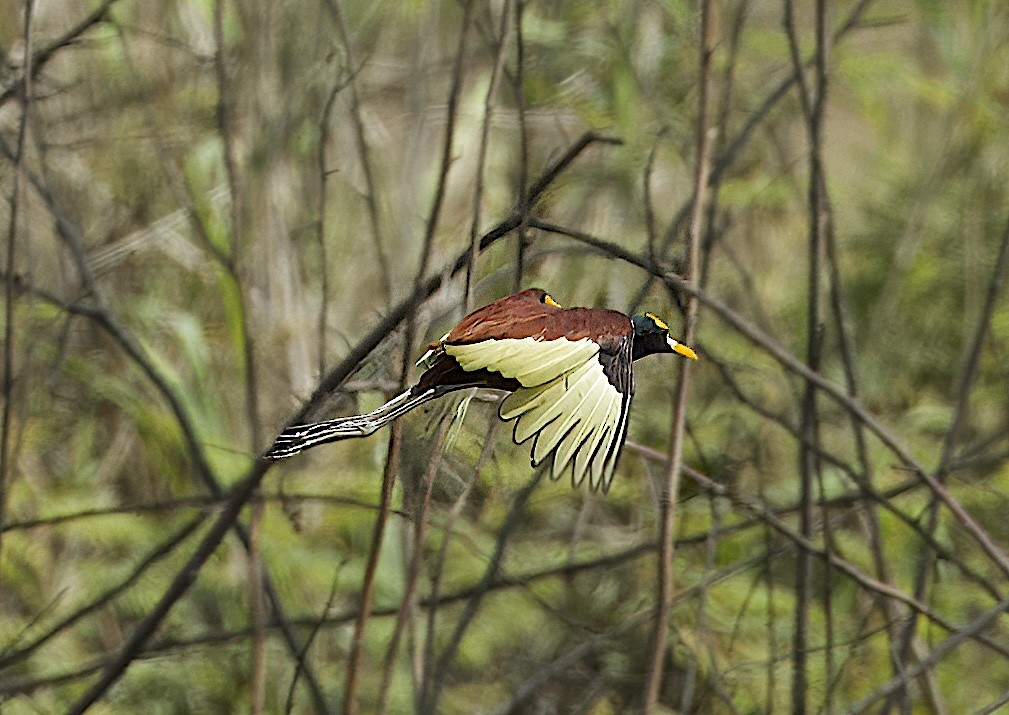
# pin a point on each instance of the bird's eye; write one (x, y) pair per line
(550, 301)
(659, 322)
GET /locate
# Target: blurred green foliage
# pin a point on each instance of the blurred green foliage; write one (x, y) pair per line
(202, 270)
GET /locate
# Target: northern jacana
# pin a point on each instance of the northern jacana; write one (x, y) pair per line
(569, 372)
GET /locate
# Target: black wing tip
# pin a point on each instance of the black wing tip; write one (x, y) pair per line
(276, 452)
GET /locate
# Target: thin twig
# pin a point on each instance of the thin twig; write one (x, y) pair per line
(9, 288)
(791, 363)
(968, 375)
(311, 638)
(671, 485)
(203, 503)
(364, 152)
(34, 63)
(473, 604)
(522, 237)
(413, 568)
(428, 664)
(350, 704)
(972, 630)
(488, 111)
(812, 100)
(323, 167)
(240, 494)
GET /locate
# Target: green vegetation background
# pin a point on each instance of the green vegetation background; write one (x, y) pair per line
(242, 251)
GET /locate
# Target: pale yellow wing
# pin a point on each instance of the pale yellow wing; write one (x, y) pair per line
(579, 417)
(566, 401)
(530, 361)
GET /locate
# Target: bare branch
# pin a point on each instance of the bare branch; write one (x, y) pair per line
(671, 485)
(488, 110)
(9, 284)
(972, 630)
(364, 154)
(773, 348)
(243, 491)
(35, 62)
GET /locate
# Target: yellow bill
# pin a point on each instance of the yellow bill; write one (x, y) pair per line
(681, 349)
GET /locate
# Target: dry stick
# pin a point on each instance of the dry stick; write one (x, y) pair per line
(102, 316)
(770, 612)
(413, 568)
(9, 293)
(812, 101)
(727, 156)
(965, 385)
(646, 196)
(472, 606)
(240, 494)
(979, 624)
(311, 638)
(722, 125)
(819, 217)
(9, 658)
(225, 112)
(15, 686)
(865, 482)
(671, 486)
(884, 500)
(350, 704)
(203, 503)
(327, 112)
(448, 529)
(488, 111)
(773, 348)
(524, 207)
(364, 153)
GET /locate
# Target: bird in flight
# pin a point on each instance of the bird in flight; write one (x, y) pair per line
(569, 371)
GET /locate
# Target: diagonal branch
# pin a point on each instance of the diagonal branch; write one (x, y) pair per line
(37, 61)
(792, 364)
(243, 490)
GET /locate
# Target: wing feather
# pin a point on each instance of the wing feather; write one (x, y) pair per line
(530, 361)
(574, 399)
(568, 410)
(585, 430)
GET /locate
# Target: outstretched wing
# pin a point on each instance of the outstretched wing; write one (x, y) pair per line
(574, 398)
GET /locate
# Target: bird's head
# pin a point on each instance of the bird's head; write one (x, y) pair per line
(651, 335)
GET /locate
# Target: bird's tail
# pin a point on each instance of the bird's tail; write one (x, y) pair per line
(296, 438)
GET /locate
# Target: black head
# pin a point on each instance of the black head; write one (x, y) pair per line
(651, 336)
